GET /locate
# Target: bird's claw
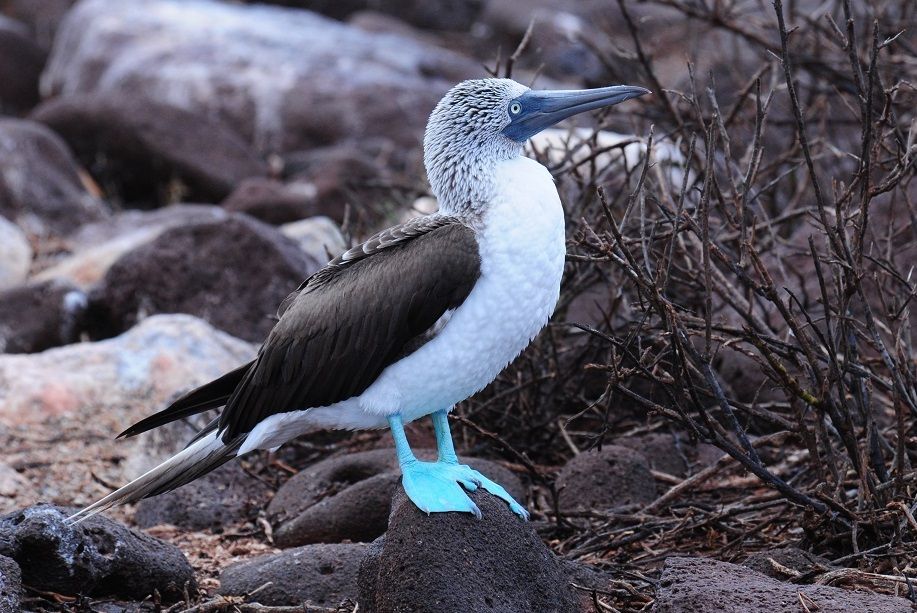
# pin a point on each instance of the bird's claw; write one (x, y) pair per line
(436, 487)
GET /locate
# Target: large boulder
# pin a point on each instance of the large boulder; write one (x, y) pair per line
(40, 187)
(40, 315)
(426, 14)
(322, 575)
(60, 409)
(689, 585)
(454, 562)
(613, 477)
(98, 556)
(21, 62)
(348, 497)
(286, 79)
(150, 153)
(232, 273)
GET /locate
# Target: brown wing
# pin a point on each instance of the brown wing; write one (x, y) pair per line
(353, 318)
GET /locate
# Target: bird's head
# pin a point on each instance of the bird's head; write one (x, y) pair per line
(483, 121)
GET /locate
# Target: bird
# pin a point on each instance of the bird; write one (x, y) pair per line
(415, 319)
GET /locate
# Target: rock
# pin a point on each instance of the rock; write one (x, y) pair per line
(688, 585)
(216, 501)
(458, 15)
(322, 575)
(10, 585)
(348, 497)
(15, 255)
(161, 356)
(40, 315)
(98, 245)
(64, 406)
(40, 188)
(11, 482)
(21, 62)
(98, 556)
(41, 17)
(204, 269)
(286, 79)
(341, 175)
(150, 153)
(612, 477)
(791, 558)
(272, 201)
(454, 562)
(318, 236)
(675, 455)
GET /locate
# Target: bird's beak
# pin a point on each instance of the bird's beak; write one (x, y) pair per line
(538, 110)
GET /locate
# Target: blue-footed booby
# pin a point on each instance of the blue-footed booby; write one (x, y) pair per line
(412, 321)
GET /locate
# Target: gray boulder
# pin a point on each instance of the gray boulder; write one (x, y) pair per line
(689, 585)
(451, 562)
(15, 255)
(98, 556)
(321, 575)
(150, 153)
(286, 79)
(40, 187)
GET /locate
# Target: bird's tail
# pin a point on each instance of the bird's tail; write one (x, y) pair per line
(197, 459)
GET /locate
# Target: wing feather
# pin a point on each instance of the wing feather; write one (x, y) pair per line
(346, 323)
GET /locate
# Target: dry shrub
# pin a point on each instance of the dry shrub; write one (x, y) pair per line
(752, 290)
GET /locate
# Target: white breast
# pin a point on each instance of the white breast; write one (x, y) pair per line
(522, 251)
(522, 260)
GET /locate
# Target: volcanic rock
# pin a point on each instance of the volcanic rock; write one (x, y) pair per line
(609, 478)
(232, 273)
(98, 556)
(323, 575)
(217, 500)
(96, 246)
(348, 497)
(454, 562)
(689, 585)
(40, 188)
(10, 585)
(39, 316)
(140, 149)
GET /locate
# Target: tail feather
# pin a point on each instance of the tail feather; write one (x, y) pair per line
(209, 396)
(197, 459)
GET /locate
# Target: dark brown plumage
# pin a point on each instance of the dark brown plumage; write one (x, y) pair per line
(339, 330)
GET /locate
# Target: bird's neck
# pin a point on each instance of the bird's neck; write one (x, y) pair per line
(465, 181)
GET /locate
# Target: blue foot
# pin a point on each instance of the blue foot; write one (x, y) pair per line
(436, 487)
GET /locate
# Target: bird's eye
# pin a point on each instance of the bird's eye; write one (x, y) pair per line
(515, 108)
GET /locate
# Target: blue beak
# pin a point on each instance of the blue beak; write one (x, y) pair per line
(537, 110)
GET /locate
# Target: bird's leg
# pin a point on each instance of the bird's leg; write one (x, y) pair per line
(464, 473)
(435, 487)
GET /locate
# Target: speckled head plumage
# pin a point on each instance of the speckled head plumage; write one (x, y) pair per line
(482, 122)
(464, 136)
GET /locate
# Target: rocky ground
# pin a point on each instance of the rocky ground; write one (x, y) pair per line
(169, 173)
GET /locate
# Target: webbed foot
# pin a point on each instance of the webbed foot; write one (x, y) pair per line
(437, 487)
